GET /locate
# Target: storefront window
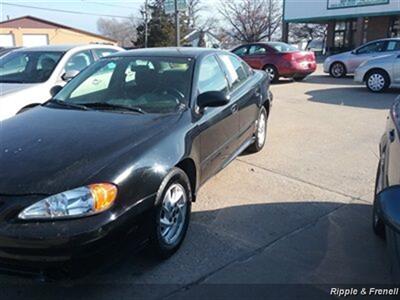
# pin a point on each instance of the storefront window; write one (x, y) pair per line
(344, 35)
(394, 30)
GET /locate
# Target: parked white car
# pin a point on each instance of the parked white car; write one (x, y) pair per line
(28, 74)
(342, 64)
(380, 73)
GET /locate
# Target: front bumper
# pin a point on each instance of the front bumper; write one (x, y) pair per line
(51, 243)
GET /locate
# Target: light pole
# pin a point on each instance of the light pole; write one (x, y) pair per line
(146, 19)
(177, 27)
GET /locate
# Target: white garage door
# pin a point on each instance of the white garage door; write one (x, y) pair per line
(30, 40)
(6, 40)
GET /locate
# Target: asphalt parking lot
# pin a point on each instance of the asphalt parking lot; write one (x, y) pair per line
(298, 212)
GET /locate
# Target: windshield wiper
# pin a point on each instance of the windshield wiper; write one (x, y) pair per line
(107, 105)
(67, 104)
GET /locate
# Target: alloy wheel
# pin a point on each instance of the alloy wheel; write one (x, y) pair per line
(270, 73)
(338, 70)
(173, 213)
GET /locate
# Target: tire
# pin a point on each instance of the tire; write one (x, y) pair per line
(337, 70)
(377, 224)
(261, 132)
(164, 242)
(272, 73)
(377, 81)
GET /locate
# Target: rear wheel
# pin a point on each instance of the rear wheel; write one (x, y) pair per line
(272, 73)
(377, 81)
(337, 70)
(170, 219)
(377, 224)
(261, 131)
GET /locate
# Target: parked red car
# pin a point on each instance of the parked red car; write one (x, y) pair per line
(278, 59)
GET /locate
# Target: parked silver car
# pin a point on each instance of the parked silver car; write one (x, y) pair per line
(379, 73)
(340, 65)
(28, 74)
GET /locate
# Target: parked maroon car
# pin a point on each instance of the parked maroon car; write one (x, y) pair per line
(278, 59)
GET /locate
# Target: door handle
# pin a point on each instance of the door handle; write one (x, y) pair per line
(392, 135)
(234, 108)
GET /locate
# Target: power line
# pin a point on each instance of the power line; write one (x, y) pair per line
(109, 5)
(66, 11)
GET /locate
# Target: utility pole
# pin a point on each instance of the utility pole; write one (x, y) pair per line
(177, 25)
(146, 20)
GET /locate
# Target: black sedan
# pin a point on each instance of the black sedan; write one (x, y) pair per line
(386, 212)
(128, 141)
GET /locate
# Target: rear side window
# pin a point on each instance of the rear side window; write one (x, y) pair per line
(257, 50)
(236, 73)
(240, 51)
(211, 76)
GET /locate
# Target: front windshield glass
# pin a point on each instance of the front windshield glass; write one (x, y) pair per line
(282, 47)
(28, 66)
(151, 85)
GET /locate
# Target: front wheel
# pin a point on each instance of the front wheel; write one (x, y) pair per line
(261, 132)
(171, 216)
(377, 81)
(337, 70)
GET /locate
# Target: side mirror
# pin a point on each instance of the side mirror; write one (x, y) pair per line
(212, 99)
(67, 76)
(388, 207)
(55, 89)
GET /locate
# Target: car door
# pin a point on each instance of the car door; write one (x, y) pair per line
(245, 93)
(219, 126)
(367, 52)
(256, 56)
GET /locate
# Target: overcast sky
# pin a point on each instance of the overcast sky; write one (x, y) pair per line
(81, 21)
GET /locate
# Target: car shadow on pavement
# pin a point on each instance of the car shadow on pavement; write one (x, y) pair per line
(326, 79)
(355, 97)
(295, 243)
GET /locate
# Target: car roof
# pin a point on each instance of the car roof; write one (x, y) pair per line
(65, 48)
(191, 52)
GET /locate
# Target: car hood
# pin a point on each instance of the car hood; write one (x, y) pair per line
(49, 150)
(9, 88)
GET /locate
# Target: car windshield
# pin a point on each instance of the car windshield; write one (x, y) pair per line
(28, 66)
(141, 84)
(282, 47)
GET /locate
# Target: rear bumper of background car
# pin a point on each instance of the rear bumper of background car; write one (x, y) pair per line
(298, 69)
(45, 244)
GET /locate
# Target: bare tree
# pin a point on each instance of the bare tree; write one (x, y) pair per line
(251, 20)
(194, 9)
(307, 32)
(123, 31)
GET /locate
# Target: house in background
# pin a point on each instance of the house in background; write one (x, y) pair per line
(30, 31)
(201, 38)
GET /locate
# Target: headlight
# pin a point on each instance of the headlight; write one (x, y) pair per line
(78, 202)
